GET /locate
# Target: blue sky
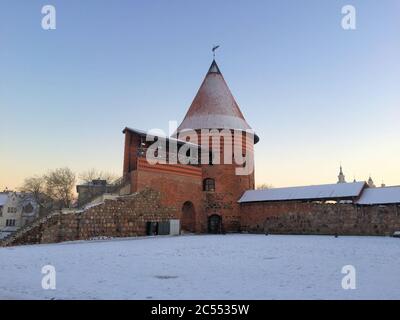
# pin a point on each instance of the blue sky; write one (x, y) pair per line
(317, 95)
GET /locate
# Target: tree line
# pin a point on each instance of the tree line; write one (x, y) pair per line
(55, 189)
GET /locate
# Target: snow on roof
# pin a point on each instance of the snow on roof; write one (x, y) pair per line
(214, 106)
(385, 195)
(3, 198)
(155, 135)
(324, 191)
(212, 121)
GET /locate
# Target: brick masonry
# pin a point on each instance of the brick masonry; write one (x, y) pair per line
(317, 218)
(127, 216)
(124, 217)
(176, 189)
(180, 184)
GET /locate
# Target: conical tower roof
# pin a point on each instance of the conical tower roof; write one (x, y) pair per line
(214, 106)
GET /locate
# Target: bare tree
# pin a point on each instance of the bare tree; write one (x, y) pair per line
(264, 186)
(36, 186)
(59, 186)
(93, 174)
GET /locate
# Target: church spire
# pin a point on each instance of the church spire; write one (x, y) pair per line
(370, 182)
(341, 177)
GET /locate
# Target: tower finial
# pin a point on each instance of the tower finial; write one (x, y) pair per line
(215, 47)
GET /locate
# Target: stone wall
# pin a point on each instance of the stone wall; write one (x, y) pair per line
(123, 217)
(317, 218)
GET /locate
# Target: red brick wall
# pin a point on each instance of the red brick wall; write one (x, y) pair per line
(229, 187)
(177, 184)
(132, 141)
(181, 183)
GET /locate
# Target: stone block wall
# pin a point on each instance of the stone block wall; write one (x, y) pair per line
(124, 217)
(317, 218)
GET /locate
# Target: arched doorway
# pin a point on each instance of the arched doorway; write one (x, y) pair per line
(214, 224)
(188, 217)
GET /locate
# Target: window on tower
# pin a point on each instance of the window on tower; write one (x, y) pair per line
(209, 185)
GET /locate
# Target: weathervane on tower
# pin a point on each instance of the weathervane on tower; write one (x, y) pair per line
(215, 47)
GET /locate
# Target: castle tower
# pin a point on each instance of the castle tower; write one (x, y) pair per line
(215, 108)
(341, 177)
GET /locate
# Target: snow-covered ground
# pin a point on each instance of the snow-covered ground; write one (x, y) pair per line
(205, 267)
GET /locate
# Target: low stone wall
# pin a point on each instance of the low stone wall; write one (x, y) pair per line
(317, 218)
(123, 217)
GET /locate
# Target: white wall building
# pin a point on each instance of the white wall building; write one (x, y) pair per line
(16, 210)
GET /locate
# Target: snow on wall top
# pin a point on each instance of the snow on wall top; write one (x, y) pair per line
(384, 195)
(324, 191)
(214, 106)
(155, 135)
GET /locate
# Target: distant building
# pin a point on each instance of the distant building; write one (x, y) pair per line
(93, 189)
(371, 183)
(341, 177)
(16, 210)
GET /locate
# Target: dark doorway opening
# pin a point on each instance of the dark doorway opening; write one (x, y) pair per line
(188, 218)
(215, 224)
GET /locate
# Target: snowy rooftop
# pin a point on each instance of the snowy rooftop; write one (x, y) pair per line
(3, 198)
(321, 192)
(154, 134)
(214, 106)
(384, 195)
